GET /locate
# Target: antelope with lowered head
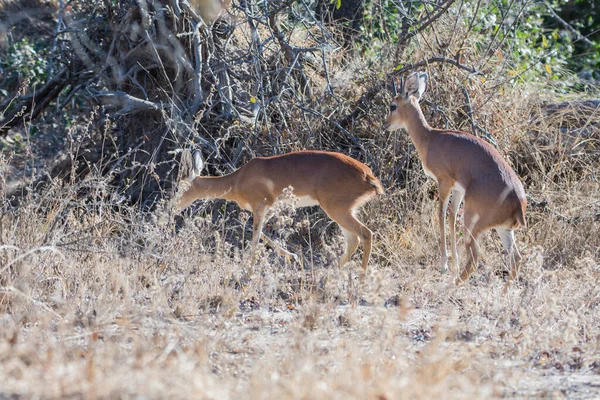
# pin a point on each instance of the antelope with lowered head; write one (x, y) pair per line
(336, 182)
(465, 167)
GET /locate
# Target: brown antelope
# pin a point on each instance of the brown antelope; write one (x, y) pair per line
(336, 182)
(465, 167)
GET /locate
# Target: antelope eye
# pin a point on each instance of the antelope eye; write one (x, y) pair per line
(393, 107)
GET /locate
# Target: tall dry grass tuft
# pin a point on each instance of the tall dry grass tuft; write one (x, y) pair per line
(99, 298)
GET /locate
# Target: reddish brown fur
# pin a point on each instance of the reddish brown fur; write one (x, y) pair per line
(493, 194)
(339, 184)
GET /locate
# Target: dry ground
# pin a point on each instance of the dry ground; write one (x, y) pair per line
(101, 300)
(109, 304)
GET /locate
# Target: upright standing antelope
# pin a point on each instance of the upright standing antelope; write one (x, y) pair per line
(465, 167)
(336, 182)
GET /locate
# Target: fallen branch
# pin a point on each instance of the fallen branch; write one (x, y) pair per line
(126, 101)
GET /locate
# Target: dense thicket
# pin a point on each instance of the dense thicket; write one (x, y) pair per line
(115, 89)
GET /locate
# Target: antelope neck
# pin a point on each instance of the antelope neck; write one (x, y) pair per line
(214, 186)
(417, 127)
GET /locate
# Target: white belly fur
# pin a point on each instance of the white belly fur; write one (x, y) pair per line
(300, 201)
(246, 206)
(305, 201)
(457, 186)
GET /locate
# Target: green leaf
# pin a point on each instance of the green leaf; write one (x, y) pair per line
(338, 4)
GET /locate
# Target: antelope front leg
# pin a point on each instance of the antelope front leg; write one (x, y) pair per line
(512, 253)
(280, 250)
(257, 226)
(454, 204)
(442, 207)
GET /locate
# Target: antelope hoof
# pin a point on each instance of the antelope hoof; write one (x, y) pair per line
(455, 266)
(444, 268)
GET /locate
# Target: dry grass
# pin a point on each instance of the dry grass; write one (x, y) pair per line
(101, 300)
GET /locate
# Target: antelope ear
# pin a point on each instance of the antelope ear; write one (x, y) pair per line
(415, 85)
(411, 85)
(197, 163)
(422, 84)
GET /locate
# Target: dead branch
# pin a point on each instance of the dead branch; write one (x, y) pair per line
(423, 63)
(567, 26)
(292, 55)
(31, 105)
(474, 125)
(425, 23)
(127, 102)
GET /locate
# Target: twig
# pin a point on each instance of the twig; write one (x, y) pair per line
(474, 125)
(469, 108)
(127, 101)
(543, 205)
(120, 160)
(499, 25)
(466, 35)
(197, 44)
(568, 27)
(431, 60)
(291, 54)
(350, 136)
(59, 24)
(425, 23)
(516, 19)
(69, 95)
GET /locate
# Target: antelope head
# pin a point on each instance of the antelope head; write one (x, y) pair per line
(191, 166)
(413, 86)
